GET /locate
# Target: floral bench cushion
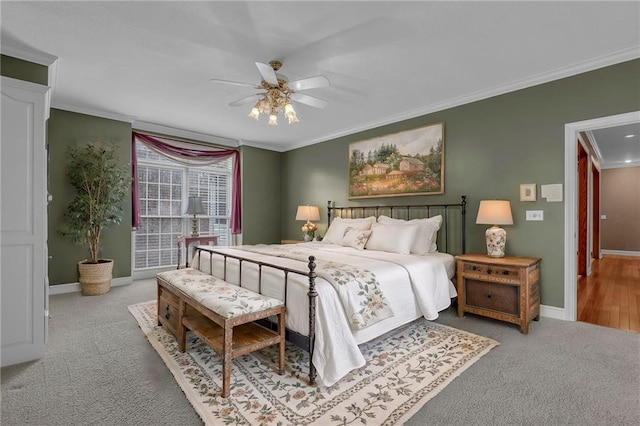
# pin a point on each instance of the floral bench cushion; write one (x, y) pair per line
(227, 300)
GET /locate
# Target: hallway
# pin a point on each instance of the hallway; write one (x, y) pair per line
(611, 295)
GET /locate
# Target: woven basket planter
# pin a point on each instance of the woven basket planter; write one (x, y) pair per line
(95, 278)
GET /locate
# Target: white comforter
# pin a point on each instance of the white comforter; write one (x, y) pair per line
(415, 285)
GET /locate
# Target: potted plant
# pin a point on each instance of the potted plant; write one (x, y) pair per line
(101, 184)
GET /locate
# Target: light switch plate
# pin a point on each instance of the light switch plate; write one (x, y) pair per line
(535, 215)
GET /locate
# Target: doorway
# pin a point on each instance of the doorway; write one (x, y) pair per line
(571, 227)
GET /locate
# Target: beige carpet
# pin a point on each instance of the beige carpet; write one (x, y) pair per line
(405, 369)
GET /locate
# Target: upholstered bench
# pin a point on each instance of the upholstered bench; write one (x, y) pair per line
(219, 313)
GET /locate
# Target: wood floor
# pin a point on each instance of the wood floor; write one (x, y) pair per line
(610, 296)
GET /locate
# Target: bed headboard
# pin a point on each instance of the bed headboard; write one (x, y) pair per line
(452, 234)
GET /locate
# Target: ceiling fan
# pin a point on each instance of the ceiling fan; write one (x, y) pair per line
(277, 93)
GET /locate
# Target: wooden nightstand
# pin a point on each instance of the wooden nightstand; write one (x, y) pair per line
(504, 288)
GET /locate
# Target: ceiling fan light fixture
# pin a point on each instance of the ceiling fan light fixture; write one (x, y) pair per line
(290, 113)
(278, 92)
(255, 113)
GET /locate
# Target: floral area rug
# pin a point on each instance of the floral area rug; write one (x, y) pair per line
(404, 370)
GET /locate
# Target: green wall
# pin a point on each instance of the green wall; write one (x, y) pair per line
(491, 147)
(23, 70)
(70, 129)
(261, 199)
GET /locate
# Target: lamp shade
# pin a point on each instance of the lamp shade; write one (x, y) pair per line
(195, 206)
(495, 212)
(308, 213)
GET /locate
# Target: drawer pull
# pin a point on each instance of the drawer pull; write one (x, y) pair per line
(488, 296)
(489, 270)
(167, 315)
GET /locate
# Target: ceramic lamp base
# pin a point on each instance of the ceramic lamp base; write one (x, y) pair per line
(194, 226)
(496, 241)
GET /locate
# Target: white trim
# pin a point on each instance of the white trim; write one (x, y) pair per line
(620, 252)
(27, 54)
(620, 164)
(581, 67)
(25, 85)
(266, 146)
(552, 312)
(184, 134)
(150, 273)
(36, 57)
(594, 145)
(75, 287)
(95, 112)
(571, 132)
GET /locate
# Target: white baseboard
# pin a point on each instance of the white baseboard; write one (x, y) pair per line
(75, 287)
(552, 312)
(621, 252)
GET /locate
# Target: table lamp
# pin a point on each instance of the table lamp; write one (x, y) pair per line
(194, 207)
(308, 213)
(495, 212)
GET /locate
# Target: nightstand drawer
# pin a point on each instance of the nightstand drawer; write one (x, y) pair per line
(483, 268)
(492, 296)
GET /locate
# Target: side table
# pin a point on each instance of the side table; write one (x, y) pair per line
(505, 288)
(188, 240)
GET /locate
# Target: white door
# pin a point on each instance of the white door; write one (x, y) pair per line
(23, 221)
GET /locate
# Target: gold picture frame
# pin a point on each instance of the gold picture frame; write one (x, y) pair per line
(528, 192)
(406, 163)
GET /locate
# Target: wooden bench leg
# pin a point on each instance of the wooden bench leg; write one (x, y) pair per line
(182, 330)
(227, 356)
(281, 329)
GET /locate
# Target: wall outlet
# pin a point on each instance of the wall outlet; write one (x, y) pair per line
(535, 215)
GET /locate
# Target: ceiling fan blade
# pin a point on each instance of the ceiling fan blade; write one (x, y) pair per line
(268, 74)
(309, 100)
(246, 100)
(309, 83)
(233, 83)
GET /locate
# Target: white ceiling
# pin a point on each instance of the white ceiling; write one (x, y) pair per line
(619, 146)
(151, 62)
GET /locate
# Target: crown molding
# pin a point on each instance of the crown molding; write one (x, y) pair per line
(184, 134)
(94, 112)
(263, 145)
(36, 57)
(620, 164)
(568, 71)
(27, 54)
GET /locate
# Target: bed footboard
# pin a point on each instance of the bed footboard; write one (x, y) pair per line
(307, 343)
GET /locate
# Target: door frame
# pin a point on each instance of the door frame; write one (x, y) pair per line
(571, 134)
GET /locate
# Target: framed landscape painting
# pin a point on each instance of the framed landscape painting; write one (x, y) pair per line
(404, 163)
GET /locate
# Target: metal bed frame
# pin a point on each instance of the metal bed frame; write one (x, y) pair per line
(307, 343)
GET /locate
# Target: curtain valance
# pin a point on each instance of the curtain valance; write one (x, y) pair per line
(189, 154)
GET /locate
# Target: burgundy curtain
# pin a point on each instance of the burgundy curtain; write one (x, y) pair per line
(190, 152)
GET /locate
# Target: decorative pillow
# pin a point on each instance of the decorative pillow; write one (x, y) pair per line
(425, 241)
(355, 238)
(338, 226)
(392, 238)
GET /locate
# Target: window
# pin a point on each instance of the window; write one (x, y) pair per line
(163, 188)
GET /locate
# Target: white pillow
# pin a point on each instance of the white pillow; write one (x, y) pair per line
(338, 226)
(425, 241)
(355, 238)
(392, 238)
